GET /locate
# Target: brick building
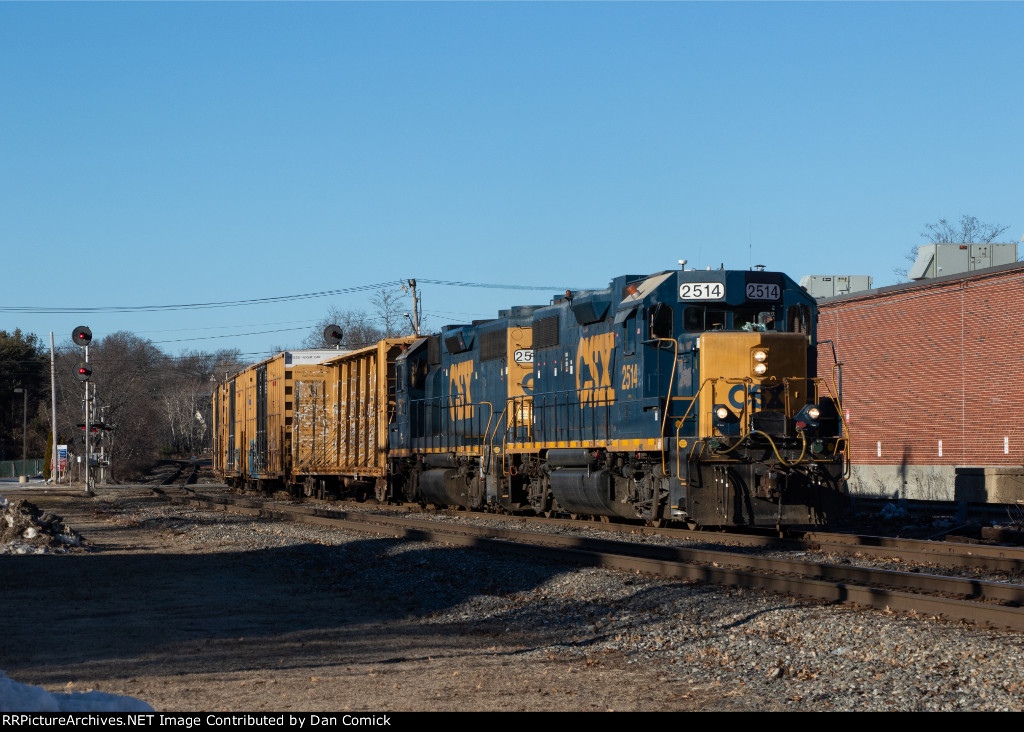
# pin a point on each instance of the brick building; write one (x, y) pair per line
(933, 383)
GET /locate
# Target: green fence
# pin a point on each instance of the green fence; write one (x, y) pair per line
(14, 468)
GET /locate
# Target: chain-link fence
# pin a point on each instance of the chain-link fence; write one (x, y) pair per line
(15, 468)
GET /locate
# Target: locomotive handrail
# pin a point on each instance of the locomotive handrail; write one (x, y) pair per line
(679, 426)
(746, 381)
(442, 435)
(845, 437)
(847, 465)
(483, 446)
(560, 414)
(668, 398)
(489, 453)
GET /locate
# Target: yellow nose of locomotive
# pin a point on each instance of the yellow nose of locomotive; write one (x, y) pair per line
(760, 382)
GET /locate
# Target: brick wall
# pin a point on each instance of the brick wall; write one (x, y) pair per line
(933, 373)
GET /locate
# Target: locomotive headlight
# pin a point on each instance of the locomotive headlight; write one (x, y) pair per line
(760, 356)
(807, 417)
(760, 368)
(724, 420)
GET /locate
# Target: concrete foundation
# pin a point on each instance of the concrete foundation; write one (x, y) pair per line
(990, 485)
(912, 482)
(972, 484)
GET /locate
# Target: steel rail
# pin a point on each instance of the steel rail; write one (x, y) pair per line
(958, 555)
(960, 599)
(923, 551)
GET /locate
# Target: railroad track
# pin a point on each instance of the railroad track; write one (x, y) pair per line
(950, 554)
(178, 472)
(917, 552)
(953, 598)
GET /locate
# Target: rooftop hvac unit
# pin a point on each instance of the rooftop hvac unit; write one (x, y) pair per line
(939, 260)
(822, 286)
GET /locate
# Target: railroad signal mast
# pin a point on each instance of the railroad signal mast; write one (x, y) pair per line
(82, 337)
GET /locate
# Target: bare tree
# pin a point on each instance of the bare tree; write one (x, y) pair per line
(357, 329)
(388, 304)
(360, 329)
(969, 230)
(128, 372)
(185, 395)
(155, 404)
(186, 406)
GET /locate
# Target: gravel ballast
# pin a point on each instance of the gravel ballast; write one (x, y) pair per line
(209, 611)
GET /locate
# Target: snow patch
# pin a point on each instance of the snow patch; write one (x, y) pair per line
(15, 697)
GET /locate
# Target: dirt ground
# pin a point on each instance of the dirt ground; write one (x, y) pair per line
(221, 626)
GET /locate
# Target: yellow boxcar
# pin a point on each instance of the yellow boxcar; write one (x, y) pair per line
(341, 414)
(255, 419)
(224, 426)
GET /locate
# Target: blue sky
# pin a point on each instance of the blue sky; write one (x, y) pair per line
(178, 153)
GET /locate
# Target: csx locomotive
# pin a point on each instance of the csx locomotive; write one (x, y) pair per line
(686, 395)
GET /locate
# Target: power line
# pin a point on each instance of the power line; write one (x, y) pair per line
(448, 283)
(194, 306)
(305, 323)
(231, 335)
(41, 310)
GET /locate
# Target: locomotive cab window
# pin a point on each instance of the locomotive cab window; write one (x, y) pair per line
(629, 335)
(693, 319)
(417, 371)
(661, 321)
(798, 319)
(716, 320)
(753, 319)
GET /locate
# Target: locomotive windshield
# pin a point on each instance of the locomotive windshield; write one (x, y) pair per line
(697, 319)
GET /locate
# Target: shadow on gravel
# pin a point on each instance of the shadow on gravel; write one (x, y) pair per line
(300, 605)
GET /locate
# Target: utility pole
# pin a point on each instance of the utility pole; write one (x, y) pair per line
(24, 427)
(54, 471)
(417, 311)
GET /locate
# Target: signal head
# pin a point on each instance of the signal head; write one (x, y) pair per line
(332, 334)
(83, 371)
(82, 336)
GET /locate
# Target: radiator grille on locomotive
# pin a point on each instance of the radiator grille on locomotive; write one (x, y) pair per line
(545, 332)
